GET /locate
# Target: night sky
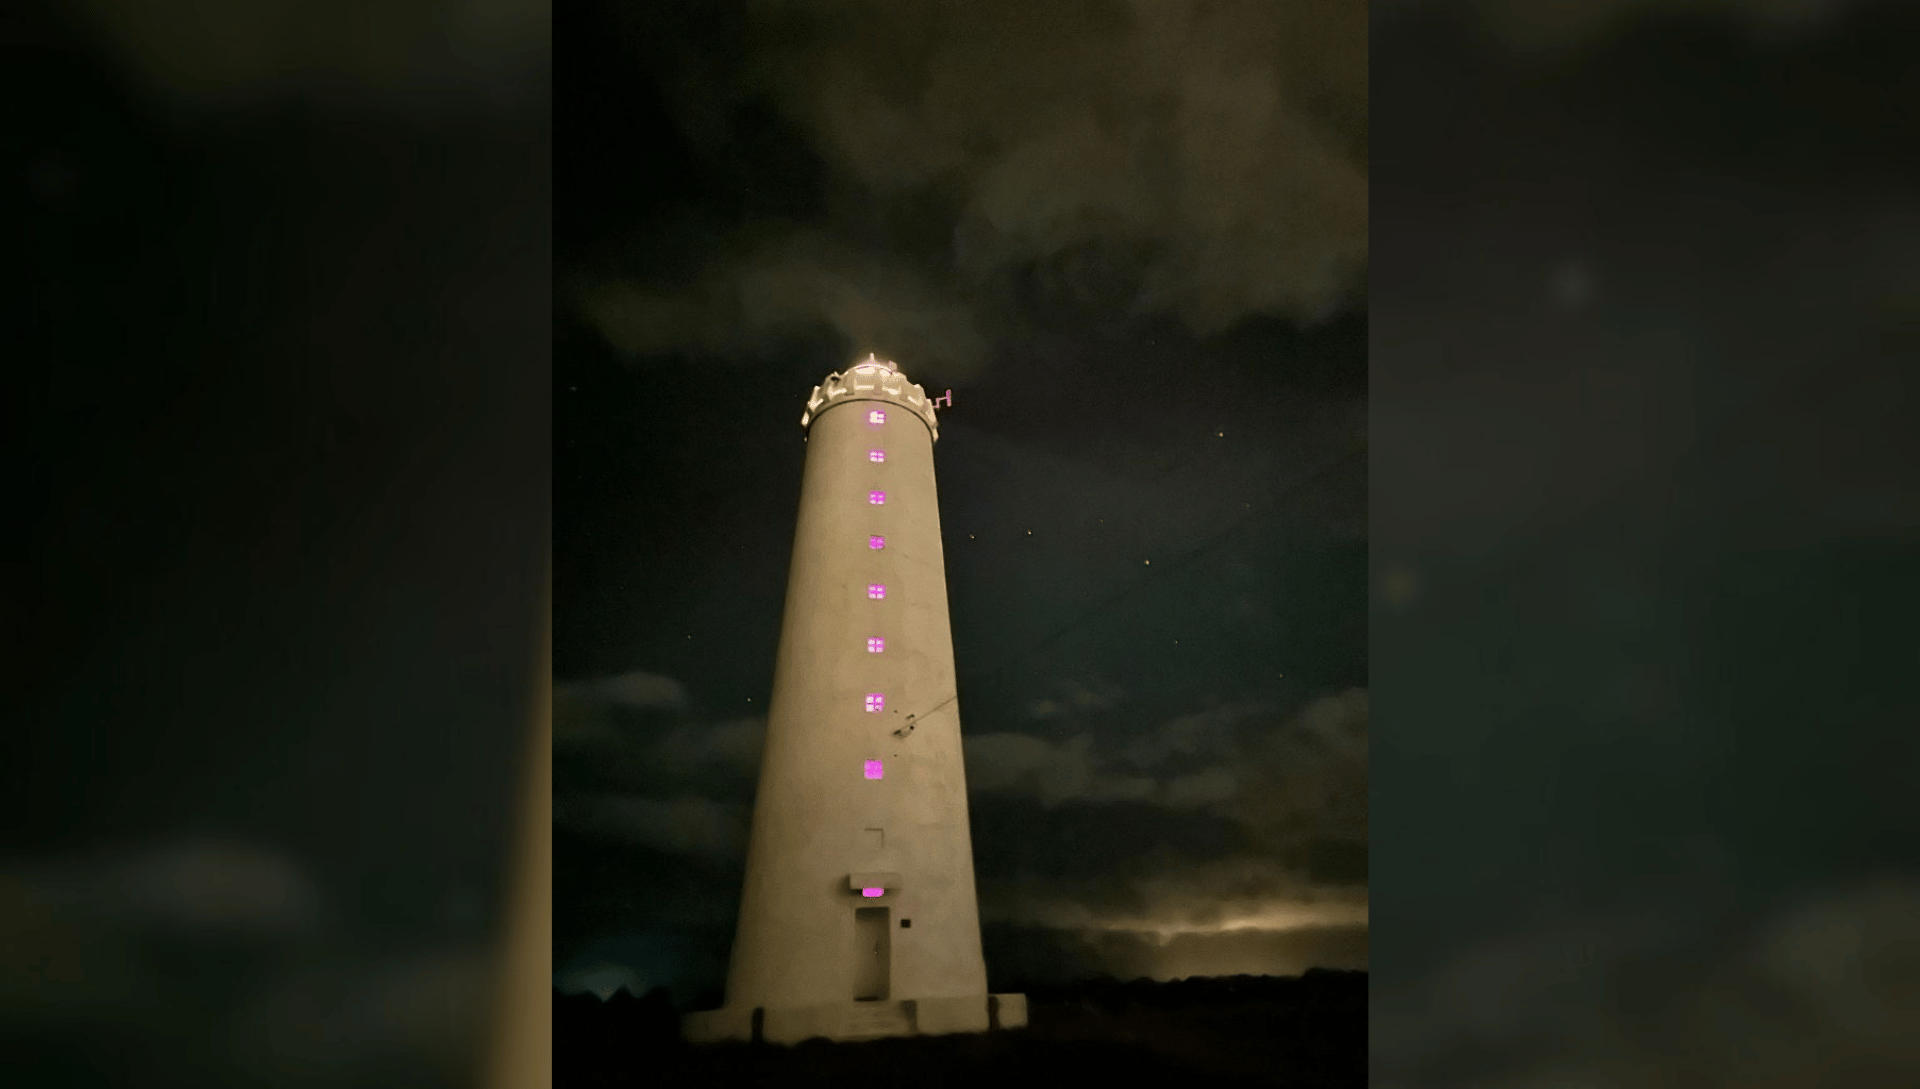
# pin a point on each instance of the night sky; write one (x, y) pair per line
(1131, 240)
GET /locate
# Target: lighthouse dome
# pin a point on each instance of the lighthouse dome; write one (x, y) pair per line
(871, 379)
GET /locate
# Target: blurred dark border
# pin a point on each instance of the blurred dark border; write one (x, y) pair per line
(278, 369)
(1643, 313)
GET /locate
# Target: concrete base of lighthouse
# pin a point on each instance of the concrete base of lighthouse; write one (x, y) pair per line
(858, 1020)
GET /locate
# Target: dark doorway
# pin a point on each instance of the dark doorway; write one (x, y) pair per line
(872, 950)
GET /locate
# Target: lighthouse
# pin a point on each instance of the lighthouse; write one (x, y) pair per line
(858, 916)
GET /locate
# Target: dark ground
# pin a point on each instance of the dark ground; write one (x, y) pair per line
(1235, 1030)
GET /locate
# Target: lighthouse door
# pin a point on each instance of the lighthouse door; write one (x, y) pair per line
(872, 953)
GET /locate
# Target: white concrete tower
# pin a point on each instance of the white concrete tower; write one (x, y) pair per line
(858, 917)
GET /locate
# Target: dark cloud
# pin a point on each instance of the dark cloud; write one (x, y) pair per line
(775, 289)
(1218, 823)
(323, 1022)
(636, 767)
(685, 825)
(1052, 772)
(1201, 161)
(279, 989)
(219, 886)
(1074, 696)
(1309, 772)
(1544, 32)
(1823, 988)
(1337, 861)
(638, 729)
(213, 57)
(636, 689)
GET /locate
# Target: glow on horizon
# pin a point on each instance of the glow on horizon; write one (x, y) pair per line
(600, 980)
(1278, 917)
(1277, 939)
(1275, 916)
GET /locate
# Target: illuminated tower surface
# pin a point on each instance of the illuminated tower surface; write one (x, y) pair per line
(858, 917)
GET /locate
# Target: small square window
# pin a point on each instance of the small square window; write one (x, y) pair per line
(876, 701)
(905, 923)
(876, 455)
(875, 644)
(873, 769)
(876, 591)
(876, 543)
(877, 498)
(876, 417)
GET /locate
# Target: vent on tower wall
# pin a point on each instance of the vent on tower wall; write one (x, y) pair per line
(876, 644)
(876, 591)
(876, 542)
(877, 498)
(876, 701)
(876, 417)
(876, 455)
(873, 769)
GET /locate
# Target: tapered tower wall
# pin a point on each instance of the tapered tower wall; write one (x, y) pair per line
(819, 819)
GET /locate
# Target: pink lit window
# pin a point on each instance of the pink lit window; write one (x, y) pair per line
(876, 543)
(876, 417)
(873, 769)
(876, 591)
(876, 498)
(876, 455)
(875, 701)
(873, 892)
(875, 644)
